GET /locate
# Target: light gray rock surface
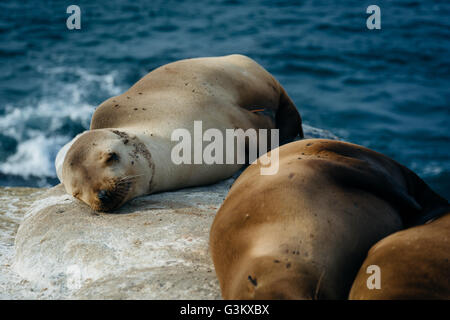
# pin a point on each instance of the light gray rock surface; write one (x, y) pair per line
(14, 202)
(155, 247)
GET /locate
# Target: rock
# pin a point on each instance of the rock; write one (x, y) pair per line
(14, 202)
(154, 247)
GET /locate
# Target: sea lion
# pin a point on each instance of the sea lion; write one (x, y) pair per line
(127, 151)
(413, 264)
(303, 232)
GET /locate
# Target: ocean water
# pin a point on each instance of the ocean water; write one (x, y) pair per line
(385, 89)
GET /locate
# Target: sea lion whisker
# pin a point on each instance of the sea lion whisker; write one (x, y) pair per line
(131, 177)
(122, 188)
(125, 180)
(123, 185)
(319, 282)
(118, 184)
(121, 191)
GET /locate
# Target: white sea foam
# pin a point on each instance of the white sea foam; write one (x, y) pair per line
(313, 132)
(433, 168)
(34, 123)
(33, 157)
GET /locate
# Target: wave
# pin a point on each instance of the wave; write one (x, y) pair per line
(39, 127)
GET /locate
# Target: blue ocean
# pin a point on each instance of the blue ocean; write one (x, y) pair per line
(386, 89)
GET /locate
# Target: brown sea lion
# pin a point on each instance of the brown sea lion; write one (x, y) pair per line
(127, 151)
(303, 233)
(413, 264)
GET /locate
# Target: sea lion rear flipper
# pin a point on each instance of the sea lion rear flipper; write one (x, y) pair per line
(363, 176)
(288, 119)
(433, 205)
(364, 169)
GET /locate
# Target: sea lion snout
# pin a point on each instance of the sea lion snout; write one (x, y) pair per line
(102, 195)
(113, 193)
(108, 200)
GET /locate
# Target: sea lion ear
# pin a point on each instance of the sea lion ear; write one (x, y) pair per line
(111, 157)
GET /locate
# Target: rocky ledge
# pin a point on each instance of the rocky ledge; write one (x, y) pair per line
(155, 247)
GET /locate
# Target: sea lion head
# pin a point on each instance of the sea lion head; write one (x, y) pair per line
(105, 168)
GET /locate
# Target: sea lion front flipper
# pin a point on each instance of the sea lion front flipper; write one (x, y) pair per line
(268, 112)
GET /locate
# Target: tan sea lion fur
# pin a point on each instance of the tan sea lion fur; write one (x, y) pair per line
(304, 232)
(414, 264)
(127, 151)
